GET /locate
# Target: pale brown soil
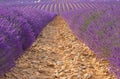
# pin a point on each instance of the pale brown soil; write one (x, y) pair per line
(58, 54)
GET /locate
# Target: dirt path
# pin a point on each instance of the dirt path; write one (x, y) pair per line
(58, 54)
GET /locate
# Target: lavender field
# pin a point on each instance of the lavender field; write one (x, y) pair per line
(94, 23)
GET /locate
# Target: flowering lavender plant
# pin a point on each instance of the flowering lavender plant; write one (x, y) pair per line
(18, 31)
(99, 28)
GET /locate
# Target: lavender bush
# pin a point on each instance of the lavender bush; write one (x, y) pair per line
(99, 28)
(18, 30)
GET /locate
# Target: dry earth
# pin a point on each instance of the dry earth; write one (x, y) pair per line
(58, 54)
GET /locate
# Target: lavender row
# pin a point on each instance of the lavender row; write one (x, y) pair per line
(99, 28)
(18, 30)
(60, 7)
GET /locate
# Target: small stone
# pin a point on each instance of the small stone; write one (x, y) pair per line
(59, 62)
(35, 62)
(87, 76)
